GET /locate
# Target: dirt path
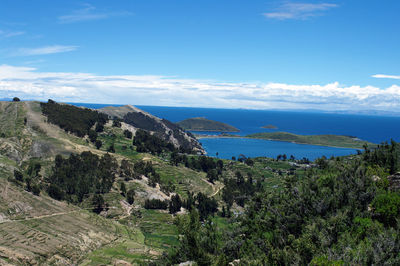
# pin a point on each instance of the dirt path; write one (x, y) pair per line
(218, 190)
(38, 217)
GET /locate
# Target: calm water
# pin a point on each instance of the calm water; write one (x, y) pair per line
(371, 128)
(228, 147)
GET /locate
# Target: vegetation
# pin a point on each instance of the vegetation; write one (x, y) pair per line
(340, 213)
(145, 142)
(73, 119)
(203, 124)
(79, 176)
(252, 211)
(324, 140)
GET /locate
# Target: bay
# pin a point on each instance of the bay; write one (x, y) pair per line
(375, 129)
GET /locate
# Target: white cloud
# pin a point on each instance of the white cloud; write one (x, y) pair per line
(51, 49)
(383, 76)
(9, 34)
(299, 10)
(28, 83)
(87, 14)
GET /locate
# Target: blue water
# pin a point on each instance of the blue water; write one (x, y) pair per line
(371, 128)
(227, 148)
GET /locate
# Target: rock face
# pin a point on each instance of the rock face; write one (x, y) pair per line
(394, 182)
(161, 128)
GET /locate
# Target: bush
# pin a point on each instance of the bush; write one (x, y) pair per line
(155, 204)
(387, 207)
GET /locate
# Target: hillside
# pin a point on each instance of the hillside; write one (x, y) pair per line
(78, 188)
(203, 124)
(162, 128)
(323, 140)
(38, 229)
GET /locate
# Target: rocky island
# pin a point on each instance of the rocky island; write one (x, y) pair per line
(203, 124)
(270, 127)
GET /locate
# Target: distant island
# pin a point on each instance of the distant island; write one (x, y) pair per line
(270, 127)
(203, 124)
(323, 140)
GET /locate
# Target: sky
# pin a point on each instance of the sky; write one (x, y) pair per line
(325, 55)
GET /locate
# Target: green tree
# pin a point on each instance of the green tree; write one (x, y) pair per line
(97, 203)
(18, 176)
(130, 196)
(387, 207)
(123, 189)
(98, 144)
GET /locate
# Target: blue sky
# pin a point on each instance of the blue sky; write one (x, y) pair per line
(249, 54)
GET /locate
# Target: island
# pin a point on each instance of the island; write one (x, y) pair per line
(322, 140)
(270, 127)
(203, 124)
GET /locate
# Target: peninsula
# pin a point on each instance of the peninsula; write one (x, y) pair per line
(203, 124)
(323, 140)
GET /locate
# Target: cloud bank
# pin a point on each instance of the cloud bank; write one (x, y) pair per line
(299, 10)
(28, 83)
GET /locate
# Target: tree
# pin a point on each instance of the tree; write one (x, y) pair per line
(175, 204)
(92, 135)
(16, 99)
(18, 176)
(98, 203)
(55, 192)
(212, 175)
(127, 134)
(36, 190)
(111, 148)
(387, 207)
(116, 123)
(130, 196)
(99, 127)
(123, 189)
(98, 144)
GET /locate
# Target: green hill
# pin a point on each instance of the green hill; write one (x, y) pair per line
(323, 140)
(203, 124)
(101, 192)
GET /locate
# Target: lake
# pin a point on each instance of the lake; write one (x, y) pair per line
(371, 128)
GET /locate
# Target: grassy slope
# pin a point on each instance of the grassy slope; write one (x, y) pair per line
(42, 230)
(65, 233)
(323, 140)
(202, 124)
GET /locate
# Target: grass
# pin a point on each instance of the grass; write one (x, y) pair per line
(323, 140)
(158, 229)
(154, 234)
